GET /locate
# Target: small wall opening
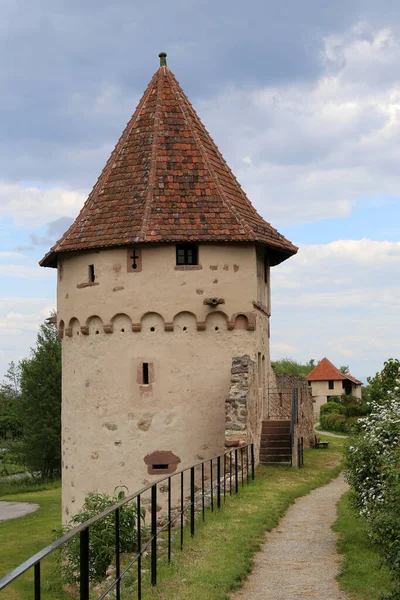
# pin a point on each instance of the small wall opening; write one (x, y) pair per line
(160, 467)
(145, 367)
(92, 276)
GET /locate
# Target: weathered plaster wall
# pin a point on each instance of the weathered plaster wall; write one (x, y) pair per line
(224, 271)
(321, 392)
(112, 420)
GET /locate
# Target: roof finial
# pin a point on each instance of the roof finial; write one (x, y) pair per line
(163, 59)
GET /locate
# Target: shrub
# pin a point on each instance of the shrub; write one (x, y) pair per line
(331, 408)
(101, 536)
(351, 424)
(333, 421)
(335, 399)
(373, 459)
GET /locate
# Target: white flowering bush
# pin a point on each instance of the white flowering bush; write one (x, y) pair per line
(373, 471)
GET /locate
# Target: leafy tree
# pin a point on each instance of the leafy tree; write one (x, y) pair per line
(383, 382)
(40, 405)
(292, 367)
(344, 369)
(10, 423)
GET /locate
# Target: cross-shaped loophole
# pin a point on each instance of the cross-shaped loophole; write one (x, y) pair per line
(134, 258)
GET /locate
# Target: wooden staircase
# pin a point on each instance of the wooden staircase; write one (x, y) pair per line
(275, 447)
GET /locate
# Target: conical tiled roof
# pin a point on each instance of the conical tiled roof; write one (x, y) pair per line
(166, 181)
(325, 371)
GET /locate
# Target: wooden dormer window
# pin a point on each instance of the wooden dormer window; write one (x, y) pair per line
(186, 254)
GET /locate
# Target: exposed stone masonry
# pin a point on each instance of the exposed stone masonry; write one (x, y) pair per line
(243, 406)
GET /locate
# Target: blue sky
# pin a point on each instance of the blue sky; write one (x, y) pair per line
(303, 99)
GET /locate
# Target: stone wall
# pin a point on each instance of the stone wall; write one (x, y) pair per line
(244, 405)
(279, 403)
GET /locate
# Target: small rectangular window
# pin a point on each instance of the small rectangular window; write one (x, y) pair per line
(160, 467)
(186, 254)
(331, 384)
(91, 274)
(145, 373)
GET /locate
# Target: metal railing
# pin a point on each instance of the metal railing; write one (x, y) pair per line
(233, 466)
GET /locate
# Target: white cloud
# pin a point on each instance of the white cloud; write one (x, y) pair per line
(24, 271)
(31, 206)
(339, 300)
(307, 151)
(19, 322)
(12, 255)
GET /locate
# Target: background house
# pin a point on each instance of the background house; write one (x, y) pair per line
(326, 380)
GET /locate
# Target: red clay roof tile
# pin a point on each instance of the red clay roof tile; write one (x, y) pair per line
(166, 181)
(325, 371)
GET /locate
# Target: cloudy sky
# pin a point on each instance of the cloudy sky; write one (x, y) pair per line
(303, 99)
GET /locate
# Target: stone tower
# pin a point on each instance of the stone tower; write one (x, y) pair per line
(163, 279)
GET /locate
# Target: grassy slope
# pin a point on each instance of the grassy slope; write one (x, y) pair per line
(213, 563)
(21, 538)
(361, 575)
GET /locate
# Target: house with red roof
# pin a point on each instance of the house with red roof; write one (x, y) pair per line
(326, 380)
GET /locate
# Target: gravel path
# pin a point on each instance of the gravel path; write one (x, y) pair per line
(344, 437)
(299, 558)
(13, 510)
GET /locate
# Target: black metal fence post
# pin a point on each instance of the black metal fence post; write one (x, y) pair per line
(154, 534)
(219, 482)
(37, 581)
(302, 452)
(169, 519)
(252, 461)
(224, 477)
(202, 491)
(247, 463)
(298, 453)
(211, 486)
(139, 550)
(230, 473)
(84, 565)
(236, 472)
(117, 557)
(182, 510)
(242, 465)
(192, 501)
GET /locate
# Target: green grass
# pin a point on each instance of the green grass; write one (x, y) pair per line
(362, 574)
(23, 537)
(26, 484)
(319, 428)
(212, 564)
